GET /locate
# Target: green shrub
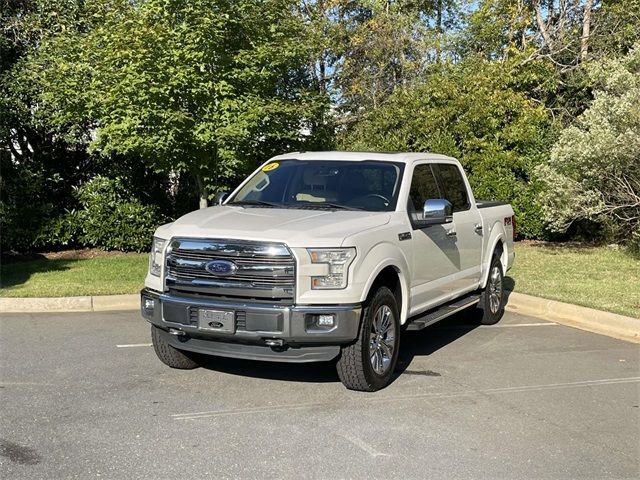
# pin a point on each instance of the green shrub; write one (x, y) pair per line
(594, 171)
(111, 218)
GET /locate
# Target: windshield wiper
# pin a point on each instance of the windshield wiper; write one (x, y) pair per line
(255, 203)
(337, 206)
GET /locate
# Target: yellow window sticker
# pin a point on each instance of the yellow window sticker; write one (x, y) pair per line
(270, 166)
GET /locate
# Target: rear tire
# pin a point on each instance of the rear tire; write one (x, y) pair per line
(168, 355)
(367, 364)
(492, 299)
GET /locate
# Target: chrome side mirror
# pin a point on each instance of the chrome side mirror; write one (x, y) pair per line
(221, 197)
(437, 211)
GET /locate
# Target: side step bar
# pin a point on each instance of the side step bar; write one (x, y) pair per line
(432, 316)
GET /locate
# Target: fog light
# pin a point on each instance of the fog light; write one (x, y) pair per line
(148, 306)
(326, 320)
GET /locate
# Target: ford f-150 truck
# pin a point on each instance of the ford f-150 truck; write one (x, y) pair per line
(321, 256)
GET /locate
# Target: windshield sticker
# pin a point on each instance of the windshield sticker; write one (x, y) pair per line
(270, 166)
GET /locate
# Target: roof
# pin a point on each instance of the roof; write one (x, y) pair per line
(404, 157)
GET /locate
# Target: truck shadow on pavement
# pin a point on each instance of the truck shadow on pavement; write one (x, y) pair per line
(412, 344)
(431, 339)
(315, 372)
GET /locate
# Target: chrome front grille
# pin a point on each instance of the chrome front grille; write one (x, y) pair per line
(231, 268)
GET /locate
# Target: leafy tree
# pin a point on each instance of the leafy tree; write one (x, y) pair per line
(470, 112)
(202, 87)
(362, 51)
(594, 170)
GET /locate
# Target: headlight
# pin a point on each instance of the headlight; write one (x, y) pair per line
(338, 260)
(155, 259)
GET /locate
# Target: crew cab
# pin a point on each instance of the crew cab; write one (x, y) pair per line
(327, 256)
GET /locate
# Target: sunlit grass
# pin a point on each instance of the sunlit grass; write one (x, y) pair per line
(605, 278)
(107, 275)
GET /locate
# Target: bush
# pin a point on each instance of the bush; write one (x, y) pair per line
(27, 193)
(594, 171)
(111, 218)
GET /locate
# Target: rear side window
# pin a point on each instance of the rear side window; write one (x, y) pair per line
(423, 187)
(455, 189)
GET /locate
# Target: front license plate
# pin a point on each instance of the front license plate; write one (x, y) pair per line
(216, 321)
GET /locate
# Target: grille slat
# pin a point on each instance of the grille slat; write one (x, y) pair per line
(259, 269)
(282, 281)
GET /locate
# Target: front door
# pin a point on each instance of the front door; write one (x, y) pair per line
(436, 259)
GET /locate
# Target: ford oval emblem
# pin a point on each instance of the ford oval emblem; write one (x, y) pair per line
(221, 267)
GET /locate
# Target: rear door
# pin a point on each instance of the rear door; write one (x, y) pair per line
(467, 224)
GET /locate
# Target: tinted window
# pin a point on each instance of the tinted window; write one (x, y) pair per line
(423, 187)
(366, 185)
(455, 189)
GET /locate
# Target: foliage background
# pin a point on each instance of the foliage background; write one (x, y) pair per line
(117, 115)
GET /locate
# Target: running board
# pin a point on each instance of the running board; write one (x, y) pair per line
(432, 316)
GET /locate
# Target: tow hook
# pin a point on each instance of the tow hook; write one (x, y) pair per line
(176, 332)
(274, 342)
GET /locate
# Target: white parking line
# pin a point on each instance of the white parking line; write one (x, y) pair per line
(134, 345)
(410, 397)
(358, 442)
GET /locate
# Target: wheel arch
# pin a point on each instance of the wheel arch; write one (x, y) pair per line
(388, 274)
(498, 245)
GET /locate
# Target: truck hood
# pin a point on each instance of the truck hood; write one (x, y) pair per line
(295, 227)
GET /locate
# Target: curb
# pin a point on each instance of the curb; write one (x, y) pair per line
(98, 303)
(596, 321)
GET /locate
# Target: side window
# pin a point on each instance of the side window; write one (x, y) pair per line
(423, 187)
(455, 189)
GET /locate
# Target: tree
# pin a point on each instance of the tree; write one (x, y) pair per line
(594, 170)
(468, 111)
(202, 87)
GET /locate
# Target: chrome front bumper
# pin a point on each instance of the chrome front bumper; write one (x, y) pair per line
(262, 331)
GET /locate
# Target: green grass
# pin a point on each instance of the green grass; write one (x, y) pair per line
(103, 275)
(598, 277)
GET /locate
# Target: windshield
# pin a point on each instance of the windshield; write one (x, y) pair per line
(363, 185)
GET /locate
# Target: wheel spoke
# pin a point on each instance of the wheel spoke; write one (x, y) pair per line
(495, 275)
(384, 325)
(386, 349)
(380, 362)
(382, 339)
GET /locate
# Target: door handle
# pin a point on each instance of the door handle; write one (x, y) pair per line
(451, 233)
(477, 228)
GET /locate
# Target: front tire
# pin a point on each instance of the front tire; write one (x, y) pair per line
(492, 300)
(367, 364)
(168, 355)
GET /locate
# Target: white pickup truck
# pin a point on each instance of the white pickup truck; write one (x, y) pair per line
(321, 256)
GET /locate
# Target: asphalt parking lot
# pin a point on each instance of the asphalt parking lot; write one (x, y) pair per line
(84, 396)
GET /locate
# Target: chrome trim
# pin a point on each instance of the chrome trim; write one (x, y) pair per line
(275, 270)
(263, 270)
(231, 248)
(230, 289)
